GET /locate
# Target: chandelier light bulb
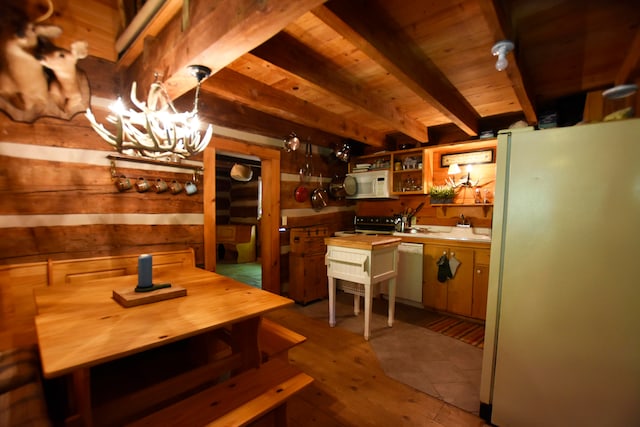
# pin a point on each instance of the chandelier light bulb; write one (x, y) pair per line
(500, 50)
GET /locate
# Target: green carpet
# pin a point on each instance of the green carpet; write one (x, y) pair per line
(249, 273)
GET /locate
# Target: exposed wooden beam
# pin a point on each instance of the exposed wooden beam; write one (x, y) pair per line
(497, 20)
(167, 11)
(286, 52)
(219, 33)
(233, 115)
(375, 37)
(234, 86)
(630, 61)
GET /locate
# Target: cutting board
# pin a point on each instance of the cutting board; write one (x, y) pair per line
(130, 298)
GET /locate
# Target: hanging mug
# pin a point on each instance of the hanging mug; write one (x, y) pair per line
(142, 185)
(190, 188)
(175, 187)
(122, 183)
(160, 186)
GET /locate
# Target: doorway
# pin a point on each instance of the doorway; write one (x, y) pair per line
(269, 223)
(238, 212)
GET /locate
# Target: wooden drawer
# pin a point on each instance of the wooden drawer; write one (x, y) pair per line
(308, 240)
(482, 256)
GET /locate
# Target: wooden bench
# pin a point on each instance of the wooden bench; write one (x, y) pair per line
(22, 399)
(276, 340)
(71, 271)
(239, 238)
(256, 394)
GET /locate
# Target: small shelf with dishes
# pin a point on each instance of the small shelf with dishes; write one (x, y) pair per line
(371, 162)
(410, 172)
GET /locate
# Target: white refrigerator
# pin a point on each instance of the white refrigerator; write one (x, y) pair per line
(562, 343)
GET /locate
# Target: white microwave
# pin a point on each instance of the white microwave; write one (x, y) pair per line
(371, 185)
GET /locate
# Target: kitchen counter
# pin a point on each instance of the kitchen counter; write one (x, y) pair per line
(364, 241)
(462, 234)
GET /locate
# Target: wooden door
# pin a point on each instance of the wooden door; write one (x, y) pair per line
(460, 287)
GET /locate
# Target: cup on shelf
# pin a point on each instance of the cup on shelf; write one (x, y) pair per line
(142, 185)
(175, 187)
(160, 186)
(122, 183)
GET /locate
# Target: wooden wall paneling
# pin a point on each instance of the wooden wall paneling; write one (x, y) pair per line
(46, 187)
(33, 244)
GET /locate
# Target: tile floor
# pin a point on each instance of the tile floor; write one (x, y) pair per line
(428, 361)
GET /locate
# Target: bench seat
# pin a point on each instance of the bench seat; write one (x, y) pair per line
(238, 401)
(276, 340)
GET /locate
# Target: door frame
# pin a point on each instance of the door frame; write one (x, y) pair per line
(269, 234)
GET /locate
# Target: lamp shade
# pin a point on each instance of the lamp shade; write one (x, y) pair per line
(453, 169)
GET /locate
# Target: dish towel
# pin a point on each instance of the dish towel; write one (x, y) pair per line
(453, 265)
(444, 271)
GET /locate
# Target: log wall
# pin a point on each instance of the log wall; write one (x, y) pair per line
(58, 201)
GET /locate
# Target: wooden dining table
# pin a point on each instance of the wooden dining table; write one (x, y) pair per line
(81, 326)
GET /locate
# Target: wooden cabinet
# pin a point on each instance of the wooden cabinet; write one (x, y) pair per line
(409, 172)
(480, 283)
(466, 293)
(307, 270)
(410, 169)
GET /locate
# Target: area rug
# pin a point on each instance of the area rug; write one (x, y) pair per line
(465, 331)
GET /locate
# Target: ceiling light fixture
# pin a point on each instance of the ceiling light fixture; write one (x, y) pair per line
(158, 130)
(500, 50)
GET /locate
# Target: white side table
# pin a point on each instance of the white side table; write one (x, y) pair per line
(366, 260)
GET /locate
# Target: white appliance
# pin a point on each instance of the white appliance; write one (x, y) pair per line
(409, 278)
(372, 185)
(562, 343)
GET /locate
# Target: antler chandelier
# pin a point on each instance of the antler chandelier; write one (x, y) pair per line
(158, 130)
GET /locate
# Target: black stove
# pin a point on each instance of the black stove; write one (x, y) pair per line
(375, 224)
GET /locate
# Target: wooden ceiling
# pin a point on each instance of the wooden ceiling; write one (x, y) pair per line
(376, 71)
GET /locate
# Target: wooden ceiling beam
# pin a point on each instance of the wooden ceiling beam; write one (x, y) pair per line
(294, 57)
(233, 115)
(219, 32)
(395, 52)
(497, 20)
(630, 61)
(236, 87)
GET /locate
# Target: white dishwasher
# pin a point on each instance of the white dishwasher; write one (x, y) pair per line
(409, 278)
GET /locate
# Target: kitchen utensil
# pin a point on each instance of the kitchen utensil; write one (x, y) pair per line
(307, 168)
(292, 142)
(319, 197)
(301, 193)
(336, 188)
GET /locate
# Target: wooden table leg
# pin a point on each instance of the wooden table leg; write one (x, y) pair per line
(81, 398)
(332, 301)
(392, 301)
(244, 340)
(368, 297)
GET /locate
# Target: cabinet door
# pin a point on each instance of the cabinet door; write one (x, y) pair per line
(307, 278)
(480, 283)
(316, 277)
(460, 288)
(434, 293)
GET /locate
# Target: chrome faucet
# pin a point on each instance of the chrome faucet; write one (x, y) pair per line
(464, 221)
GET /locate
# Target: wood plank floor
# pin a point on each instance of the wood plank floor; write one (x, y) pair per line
(350, 387)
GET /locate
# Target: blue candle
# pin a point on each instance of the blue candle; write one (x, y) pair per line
(144, 271)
